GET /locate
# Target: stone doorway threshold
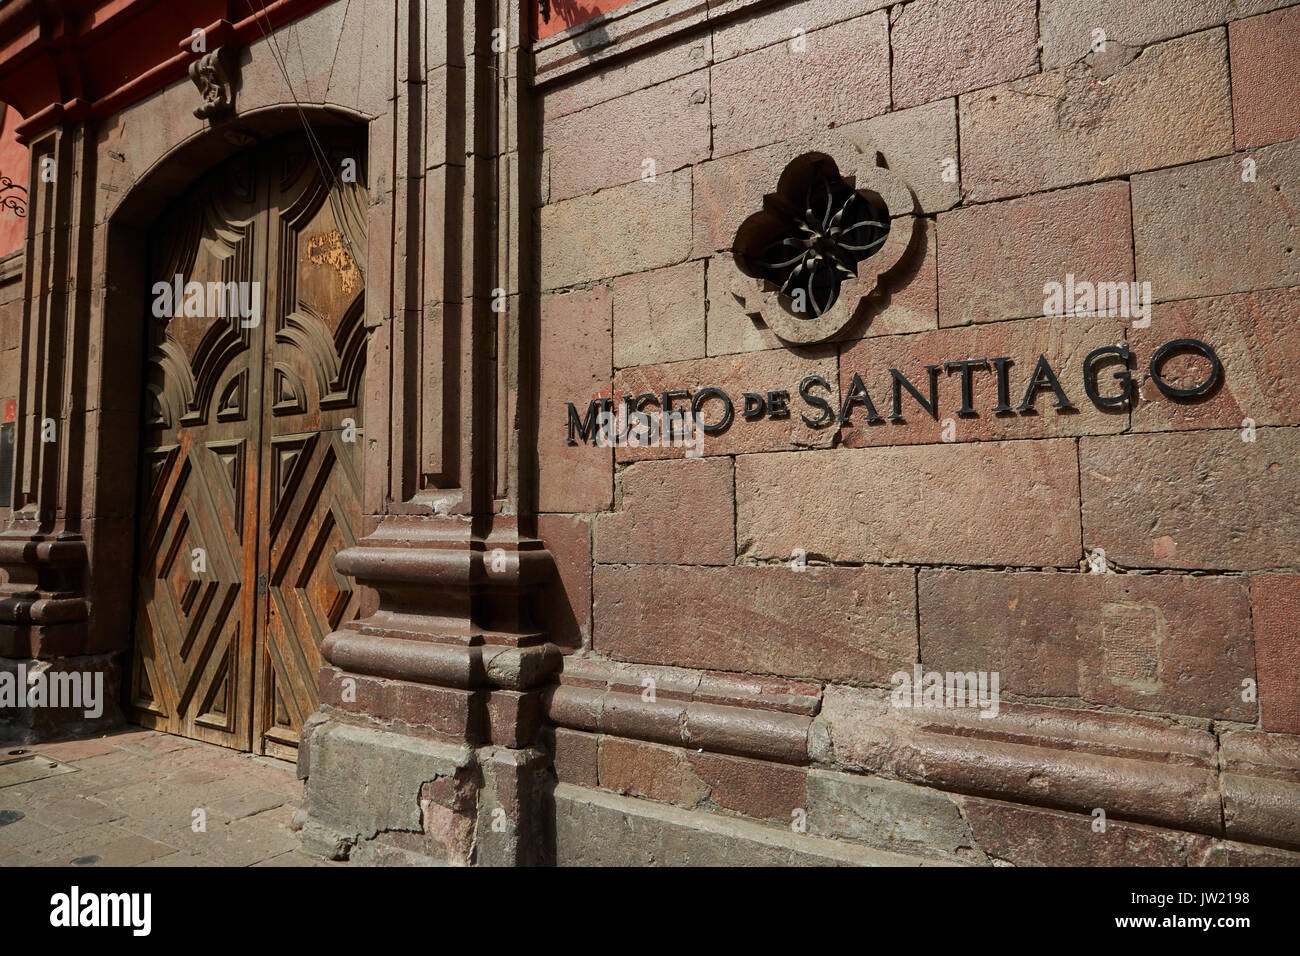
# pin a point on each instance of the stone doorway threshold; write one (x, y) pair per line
(130, 799)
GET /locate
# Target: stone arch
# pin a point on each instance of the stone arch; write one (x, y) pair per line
(111, 390)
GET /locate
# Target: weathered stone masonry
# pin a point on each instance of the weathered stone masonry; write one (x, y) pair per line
(1122, 690)
(575, 654)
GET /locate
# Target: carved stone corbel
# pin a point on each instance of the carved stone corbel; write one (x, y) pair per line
(215, 74)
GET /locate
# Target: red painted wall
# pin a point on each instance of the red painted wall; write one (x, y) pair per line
(13, 164)
(568, 13)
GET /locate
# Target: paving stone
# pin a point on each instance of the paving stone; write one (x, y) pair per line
(66, 811)
(179, 858)
(149, 743)
(297, 858)
(25, 830)
(114, 845)
(130, 850)
(161, 800)
(73, 750)
(242, 843)
(250, 802)
(132, 805)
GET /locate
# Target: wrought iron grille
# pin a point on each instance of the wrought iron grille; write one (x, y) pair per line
(834, 230)
(10, 198)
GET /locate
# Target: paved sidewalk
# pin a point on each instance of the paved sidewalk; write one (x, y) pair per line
(130, 800)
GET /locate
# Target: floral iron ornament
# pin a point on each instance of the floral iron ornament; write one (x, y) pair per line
(10, 198)
(819, 246)
(835, 230)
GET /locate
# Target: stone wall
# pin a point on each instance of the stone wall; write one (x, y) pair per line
(1130, 574)
(582, 654)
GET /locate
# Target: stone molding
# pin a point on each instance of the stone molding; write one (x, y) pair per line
(1143, 769)
(718, 713)
(595, 42)
(1239, 784)
(11, 266)
(63, 66)
(599, 828)
(625, 31)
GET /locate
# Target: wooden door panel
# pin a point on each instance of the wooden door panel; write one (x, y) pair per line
(314, 507)
(194, 624)
(312, 439)
(251, 453)
(192, 633)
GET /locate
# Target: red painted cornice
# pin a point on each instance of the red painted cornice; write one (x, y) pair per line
(64, 60)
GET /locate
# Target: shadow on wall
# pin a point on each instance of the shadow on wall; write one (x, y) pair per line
(568, 13)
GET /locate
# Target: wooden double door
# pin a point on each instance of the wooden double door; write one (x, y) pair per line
(252, 443)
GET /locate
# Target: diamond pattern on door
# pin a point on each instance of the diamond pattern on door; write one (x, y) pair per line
(250, 462)
(188, 627)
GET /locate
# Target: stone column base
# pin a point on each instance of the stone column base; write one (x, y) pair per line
(378, 797)
(87, 689)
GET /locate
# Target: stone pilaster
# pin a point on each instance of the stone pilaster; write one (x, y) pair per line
(438, 691)
(45, 612)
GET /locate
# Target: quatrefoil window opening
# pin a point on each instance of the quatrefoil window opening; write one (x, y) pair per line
(819, 244)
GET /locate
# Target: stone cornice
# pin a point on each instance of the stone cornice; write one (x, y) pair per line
(63, 62)
(627, 30)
